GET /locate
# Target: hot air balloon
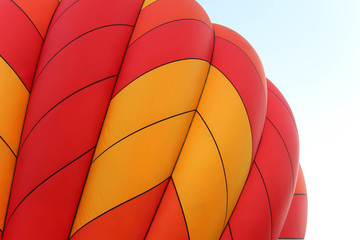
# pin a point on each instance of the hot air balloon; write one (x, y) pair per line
(133, 119)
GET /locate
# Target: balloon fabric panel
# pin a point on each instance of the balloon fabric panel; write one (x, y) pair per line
(187, 67)
(20, 46)
(48, 132)
(275, 195)
(295, 224)
(236, 64)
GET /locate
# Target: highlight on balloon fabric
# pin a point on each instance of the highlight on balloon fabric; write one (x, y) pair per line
(133, 119)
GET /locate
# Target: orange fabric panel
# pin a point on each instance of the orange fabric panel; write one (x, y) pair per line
(300, 184)
(132, 166)
(178, 95)
(7, 165)
(129, 220)
(224, 113)
(13, 102)
(169, 222)
(147, 3)
(198, 177)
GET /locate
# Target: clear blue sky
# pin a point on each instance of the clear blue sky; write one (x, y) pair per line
(310, 49)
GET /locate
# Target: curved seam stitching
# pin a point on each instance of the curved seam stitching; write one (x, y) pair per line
(42, 48)
(268, 198)
(139, 130)
(222, 164)
(119, 205)
(252, 137)
(108, 106)
(29, 19)
(172, 21)
(155, 68)
(287, 150)
(210, 65)
(182, 209)
(250, 170)
(59, 103)
(231, 235)
(8, 146)
(56, 20)
(252, 63)
(243, 103)
(48, 29)
(48, 178)
(75, 39)
(15, 73)
(286, 107)
(27, 105)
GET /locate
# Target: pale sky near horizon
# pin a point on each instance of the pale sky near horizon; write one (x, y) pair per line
(310, 50)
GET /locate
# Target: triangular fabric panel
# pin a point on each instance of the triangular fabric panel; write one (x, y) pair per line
(127, 221)
(169, 222)
(226, 234)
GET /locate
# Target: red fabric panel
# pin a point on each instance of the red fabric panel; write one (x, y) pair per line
(171, 42)
(45, 213)
(81, 18)
(67, 109)
(239, 69)
(127, 221)
(295, 224)
(78, 61)
(66, 7)
(20, 43)
(274, 165)
(161, 12)
(238, 40)
(66, 132)
(251, 218)
(279, 113)
(169, 221)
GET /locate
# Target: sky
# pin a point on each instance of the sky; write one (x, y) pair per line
(310, 50)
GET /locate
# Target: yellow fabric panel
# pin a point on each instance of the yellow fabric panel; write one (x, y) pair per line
(131, 167)
(7, 165)
(13, 102)
(147, 3)
(224, 112)
(200, 183)
(165, 91)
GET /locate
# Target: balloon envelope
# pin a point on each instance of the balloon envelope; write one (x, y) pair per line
(132, 119)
